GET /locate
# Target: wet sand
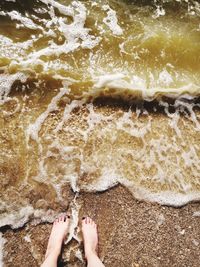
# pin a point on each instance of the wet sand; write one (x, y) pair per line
(56, 57)
(132, 233)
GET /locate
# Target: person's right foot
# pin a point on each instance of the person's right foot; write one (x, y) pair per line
(90, 236)
(58, 233)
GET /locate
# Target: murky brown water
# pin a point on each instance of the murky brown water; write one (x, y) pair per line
(55, 59)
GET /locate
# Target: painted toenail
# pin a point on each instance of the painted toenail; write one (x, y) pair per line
(83, 218)
(68, 216)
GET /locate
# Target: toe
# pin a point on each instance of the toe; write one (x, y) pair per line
(83, 221)
(67, 219)
(61, 218)
(91, 221)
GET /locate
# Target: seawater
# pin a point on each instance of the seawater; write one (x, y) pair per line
(97, 93)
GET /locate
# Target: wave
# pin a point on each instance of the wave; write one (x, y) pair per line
(123, 46)
(64, 70)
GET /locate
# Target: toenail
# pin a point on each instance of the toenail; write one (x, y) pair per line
(83, 218)
(68, 216)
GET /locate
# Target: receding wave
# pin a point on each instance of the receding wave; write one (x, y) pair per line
(97, 93)
(128, 47)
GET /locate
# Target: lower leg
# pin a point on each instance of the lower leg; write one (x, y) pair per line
(50, 261)
(90, 237)
(94, 261)
(58, 233)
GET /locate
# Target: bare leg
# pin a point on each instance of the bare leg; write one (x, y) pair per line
(58, 233)
(90, 238)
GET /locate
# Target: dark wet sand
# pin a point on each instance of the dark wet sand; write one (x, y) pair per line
(131, 234)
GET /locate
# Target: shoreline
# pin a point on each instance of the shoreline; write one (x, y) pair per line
(140, 234)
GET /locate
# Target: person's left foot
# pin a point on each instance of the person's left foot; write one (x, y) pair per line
(58, 234)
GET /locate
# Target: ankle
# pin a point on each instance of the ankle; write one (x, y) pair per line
(90, 253)
(53, 252)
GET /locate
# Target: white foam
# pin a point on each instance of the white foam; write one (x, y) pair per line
(76, 34)
(66, 115)
(6, 82)
(196, 214)
(138, 82)
(165, 78)
(105, 80)
(79, 255)
(2, 243)
(28, 23)
(131, 127)
(120, 82)
(168, 198)
(75, 207)
(34, 128)
(27, 238)
(111, 20)
(14, 50)
(17, 219)
(77, 30)
(191, 158)
(189, 107)
(73, 179)
(159, 12)
(174, 117)
(65, 10)
(109, 177)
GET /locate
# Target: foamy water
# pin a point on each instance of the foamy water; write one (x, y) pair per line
(78, 80)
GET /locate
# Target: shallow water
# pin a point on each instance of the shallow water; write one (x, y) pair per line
(94, 94)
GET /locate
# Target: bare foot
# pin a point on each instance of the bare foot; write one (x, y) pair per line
(58, 234)
(90, 236)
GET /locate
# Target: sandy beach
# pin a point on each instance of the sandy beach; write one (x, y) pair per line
(100, 117)
(131, 234)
